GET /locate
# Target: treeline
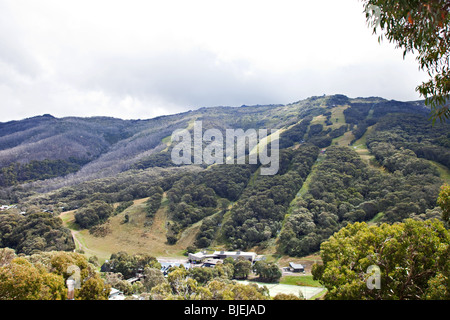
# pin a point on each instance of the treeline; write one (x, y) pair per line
(154, 201)
(416, 134)
(344, 189)
(17, 173)
(43, 276)
(315, 134)
(124, 187)
(98, 211)
(258, 214)
(34, 233)
(189, 202)
(190, 283)
(401, 252)
(162, 160)
(93, 214)
(295, 134)
(197, 196)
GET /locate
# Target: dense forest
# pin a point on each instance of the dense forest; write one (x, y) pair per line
(342, 161)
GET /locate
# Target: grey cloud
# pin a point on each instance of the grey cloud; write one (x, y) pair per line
(193, 78)
(14, 52)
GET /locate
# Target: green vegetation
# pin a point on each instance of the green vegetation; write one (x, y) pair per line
(95, 213)
(412, 257)
(154, 201)
(267, 271)
(303, 280)
(422, 28)
(17, 173)
(34, 233)
(345, 189)
(444, 202)
(43, 277)
(343, 162)
(258, 215)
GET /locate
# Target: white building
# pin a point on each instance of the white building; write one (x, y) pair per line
(116, 295)
(250, 256)
(201, 256)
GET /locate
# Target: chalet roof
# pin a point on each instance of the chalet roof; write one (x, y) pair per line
(213, 261)
(201, 255)
(234, 253)
(296, 265)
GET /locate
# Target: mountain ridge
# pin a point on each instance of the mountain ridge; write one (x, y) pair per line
(393, 172)
(112, 142)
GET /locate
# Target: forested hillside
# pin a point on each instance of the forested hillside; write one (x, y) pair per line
(342, 160)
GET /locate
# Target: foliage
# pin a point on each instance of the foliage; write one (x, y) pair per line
(162, 160)
(242, 269)
(129, 265)
(257, 216)
(267, 271)
(34, 233)
(190, 201)
(444, 202)
(154, 201)
(285, 296)
(413, 258)
(295, 134)
(421, 27)
(17, 173)
(228, 181)
(153, 277)
(208, 231)
(116, 281)
(414, 133)
(345, 189)
(93, 214)
(204, 275)
(179, 286)
(124, 205)
(20, 280)
(43, 277)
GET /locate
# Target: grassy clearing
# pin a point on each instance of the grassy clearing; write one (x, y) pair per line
(343, 140)
(307, 262)
(360, 146)
(319, 120)
(338, 117)
(302, 280)
(444, 172)
(305, 186)
(133, 237)
(376, 219)
(261, 145)
(363, 140)
(167, 141)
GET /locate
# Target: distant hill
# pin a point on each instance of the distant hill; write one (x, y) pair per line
(342, 160)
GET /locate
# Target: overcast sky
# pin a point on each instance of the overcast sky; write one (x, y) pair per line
(139, 59)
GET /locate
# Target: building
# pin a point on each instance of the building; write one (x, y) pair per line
(116, 295)
(211, 263)
(200, 257)
(295, 267)
(250, 256)
(166, 266)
